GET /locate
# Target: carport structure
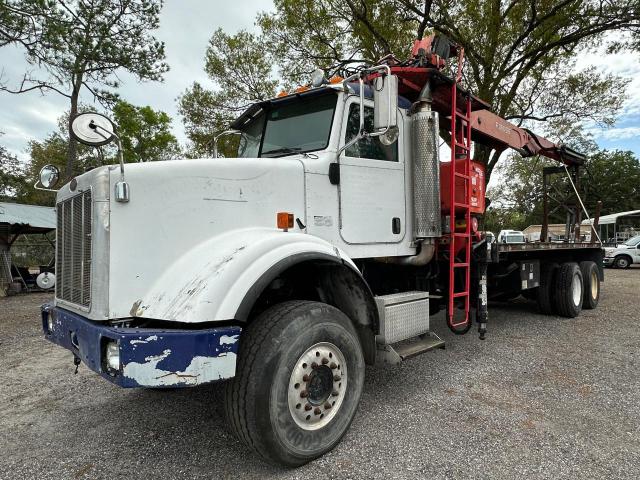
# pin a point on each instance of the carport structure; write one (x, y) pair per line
(17, 219)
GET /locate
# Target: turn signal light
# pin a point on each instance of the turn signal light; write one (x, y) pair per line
(285, 220)
(336, 79)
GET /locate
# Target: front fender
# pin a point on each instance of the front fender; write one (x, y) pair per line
(209, 282)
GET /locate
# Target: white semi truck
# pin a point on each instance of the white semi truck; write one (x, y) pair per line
(326, 245)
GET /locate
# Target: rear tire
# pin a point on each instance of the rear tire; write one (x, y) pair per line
(569, 290)
(591, 280)
(546, 290)
(284, 405)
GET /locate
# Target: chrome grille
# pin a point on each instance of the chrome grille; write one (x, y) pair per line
(73, 249)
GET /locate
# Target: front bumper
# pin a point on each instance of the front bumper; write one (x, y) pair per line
(608, 261)
(149, 357)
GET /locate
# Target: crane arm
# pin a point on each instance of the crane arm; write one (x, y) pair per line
(496, 132)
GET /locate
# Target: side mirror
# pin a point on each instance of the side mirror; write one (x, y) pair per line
(92, 129)
(48, 177)
(385, 113)
(96, 130)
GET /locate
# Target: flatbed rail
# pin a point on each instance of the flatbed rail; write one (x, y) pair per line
(542, 246)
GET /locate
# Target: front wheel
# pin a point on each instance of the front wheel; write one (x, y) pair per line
(299, 377)
(622, 262)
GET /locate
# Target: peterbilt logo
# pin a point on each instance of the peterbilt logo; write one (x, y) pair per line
(503, 128)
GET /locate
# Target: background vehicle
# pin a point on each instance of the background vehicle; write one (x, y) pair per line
(624, 255)
(325, 246)
(511, 236)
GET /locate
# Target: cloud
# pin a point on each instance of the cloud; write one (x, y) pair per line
(614, 133)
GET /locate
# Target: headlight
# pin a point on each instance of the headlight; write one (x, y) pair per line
(51, 318)
(49, 176)
(112, 356)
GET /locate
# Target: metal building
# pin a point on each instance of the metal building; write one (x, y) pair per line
(15, 220)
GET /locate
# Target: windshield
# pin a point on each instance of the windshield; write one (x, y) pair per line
(515, 238)
(298, 126)
(633, 241)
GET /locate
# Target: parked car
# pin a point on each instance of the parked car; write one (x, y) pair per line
(624, 255)
(511, 236)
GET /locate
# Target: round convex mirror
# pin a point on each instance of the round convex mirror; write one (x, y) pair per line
(49, 176)
(390, 136)
(92, 129)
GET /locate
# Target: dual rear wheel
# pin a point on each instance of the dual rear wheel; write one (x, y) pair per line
(565, 289)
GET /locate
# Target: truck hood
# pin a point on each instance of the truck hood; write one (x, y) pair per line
(174, 207)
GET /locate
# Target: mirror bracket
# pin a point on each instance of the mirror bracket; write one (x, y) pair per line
(38, 187)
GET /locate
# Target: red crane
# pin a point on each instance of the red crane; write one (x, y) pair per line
(468, 119)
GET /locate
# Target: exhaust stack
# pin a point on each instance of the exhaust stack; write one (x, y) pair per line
(426, 172)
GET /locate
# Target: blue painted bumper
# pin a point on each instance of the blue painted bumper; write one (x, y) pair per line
(148, 357)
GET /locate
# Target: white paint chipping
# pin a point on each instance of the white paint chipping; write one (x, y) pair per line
(228, 339)
(200, 370)
(151, 338)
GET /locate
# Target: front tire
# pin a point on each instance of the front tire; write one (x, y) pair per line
(569, 290)
(299, 377)
(622, 261)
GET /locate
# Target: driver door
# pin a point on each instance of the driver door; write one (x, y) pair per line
(372, 185)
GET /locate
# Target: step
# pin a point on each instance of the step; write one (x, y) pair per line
(399, 353)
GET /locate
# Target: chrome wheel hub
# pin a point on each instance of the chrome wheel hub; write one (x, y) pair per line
(576, 290)
(317, 386)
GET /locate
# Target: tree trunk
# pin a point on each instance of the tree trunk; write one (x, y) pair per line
(72, 151)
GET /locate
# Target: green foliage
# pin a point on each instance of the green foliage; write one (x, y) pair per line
(241, 70)
(145, 133)
(81, 45)
(11, 174)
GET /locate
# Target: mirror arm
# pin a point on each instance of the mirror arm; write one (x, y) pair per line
(35, 185)
(361, 133)
(118, 142)
(215, 140)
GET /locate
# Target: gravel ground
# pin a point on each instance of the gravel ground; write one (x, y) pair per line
(542, 397)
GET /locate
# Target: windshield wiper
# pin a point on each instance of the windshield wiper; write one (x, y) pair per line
(283, 150)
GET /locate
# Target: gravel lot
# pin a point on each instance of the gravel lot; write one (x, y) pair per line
(542, 397)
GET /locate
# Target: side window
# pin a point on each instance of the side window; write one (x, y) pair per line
(369, 147)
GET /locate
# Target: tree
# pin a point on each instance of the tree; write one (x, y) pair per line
(80, 45)
(145, 133)
(241, 68)
(520, 54)
(11, 174)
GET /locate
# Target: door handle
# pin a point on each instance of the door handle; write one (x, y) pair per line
(395, 225)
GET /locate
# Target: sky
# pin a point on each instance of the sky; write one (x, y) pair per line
(185, 27)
